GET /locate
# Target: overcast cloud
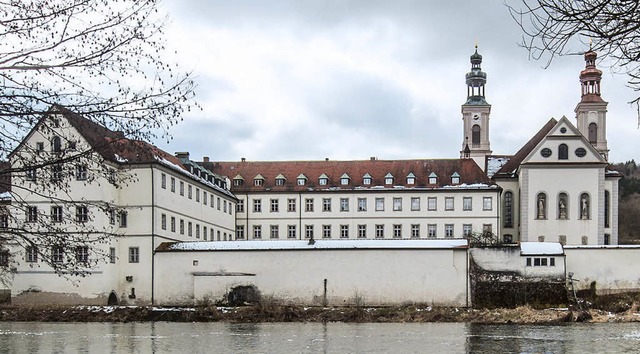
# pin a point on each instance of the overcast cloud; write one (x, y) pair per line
(346, 80)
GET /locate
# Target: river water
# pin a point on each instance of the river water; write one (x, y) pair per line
(168, 337)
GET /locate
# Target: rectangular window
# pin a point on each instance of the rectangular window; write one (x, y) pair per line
(257, 205)
(211, 232)
(397, 204)
(291, 231)
(466, 203)
(257, 232)
(56, 173)
(362, 231)
(163, 221)
(134, 255)
(528, 261)
(163, 181)
(536, 262)
(239, 232)
(344, 231)
(254, 229)
(467, 230)
(82, 254)
(432, 231)
(326, 231)
(552, 262)
(448, 203)
(123, 219)
(112, 217)
(56, 214)
(224, 206)
(181, 227)
(112, 254)
(4, 258)
(218, 203)
(344, 204)
(32, 254)
(173, 224)
(275, 207)
(82, 214)
(204, 232)
(57, 254)
(415, 204)
(31, 174)
(181, 188)
(189, 229)
(326, 204)
(397, 231)
(308, 231)
(204, 197)
(362, 204)
(487, 203)
(308, 204)
(197, 194)
(173, 184)
(197, 231)
(379, 204)
(212, 201)
(432, 203)
(291, 205)
(32, 214)
(415, 231)
(4, 221)
(239, 206)
(81, 172)
(448, 230)
(275, 231)
(379, 231)
(39, 146)
(189, 191)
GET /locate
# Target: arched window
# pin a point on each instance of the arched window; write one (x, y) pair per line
(56, 144)
(584, 206)
(563, 152)
(606, 209)
(563, 206)
(593, 133)
(541, 206)
(475, 135)
(508, 209)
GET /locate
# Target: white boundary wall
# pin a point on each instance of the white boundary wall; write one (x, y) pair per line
(613, 268)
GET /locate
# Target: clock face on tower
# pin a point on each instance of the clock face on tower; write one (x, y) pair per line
(476, 117)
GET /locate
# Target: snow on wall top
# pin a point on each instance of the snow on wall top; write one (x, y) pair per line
(541, 248)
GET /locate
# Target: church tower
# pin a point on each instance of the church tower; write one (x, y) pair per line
(591, 112)
(475, 115)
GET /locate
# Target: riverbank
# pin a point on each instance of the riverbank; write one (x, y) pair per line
(282, 313)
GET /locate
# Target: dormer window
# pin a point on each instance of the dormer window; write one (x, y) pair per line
(323, 180)
(258, 180)
(302, 180)
(366, 179)
(280, 180)
(388, 179)
(433, 178)
(237, 180)
(455, 178)
(56, 144)
(411, 179)
(344, 179)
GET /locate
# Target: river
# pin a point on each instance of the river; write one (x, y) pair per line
(171, 337)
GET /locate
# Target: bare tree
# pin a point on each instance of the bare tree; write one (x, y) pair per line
(563, 27)
(103, 60)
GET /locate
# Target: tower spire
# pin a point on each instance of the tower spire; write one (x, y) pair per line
(476, 79)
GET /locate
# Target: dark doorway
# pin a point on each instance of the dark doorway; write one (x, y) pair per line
(113, 299)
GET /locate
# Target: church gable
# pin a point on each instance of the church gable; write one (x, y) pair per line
(564, 144)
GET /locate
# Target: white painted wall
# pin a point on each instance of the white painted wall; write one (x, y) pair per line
(613, 268)
(509, 259)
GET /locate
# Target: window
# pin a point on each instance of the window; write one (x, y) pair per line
(362, 204)
(344, 231)
(32, 214)
(326, 204)
(379, 231)
(81, 172)
(56, 145)
(323, 181)
(487, 203)
(326, 231)
(173, 224)
(218, 204)
(563, 152)
(181, 188)
(31, 174)
(237, 182)
(31, 254)
(606, 209)
(4, 258)
(280, 181)
(239, 232)
(56, 214)
(487, 230)
(189, 191)
(112, 217)
(291, 231)
(563, 206)
(134, 255)
(541, 206)
(39, 146)
(593, 133)
(448, 230)
(204, 232)
(181, 227)
(82, 214)
(455, 178)
(432, 230)
(204, 197)
(379, 204)
(197, 194)
(362, 231)
(475, 135)
(432, 203)
(467, 230)
(411, 179)
(397, 204)
(291, 205)
(56, 173)
(4, 221)
(190, 229)
(301, 181)
(173, 184)
(275, 231)
(258, 182)
(57, 254)
(541, 261)
(415, 230)
(344, 180)
(112, 255)
(508, 209)
(257, 205)
(123, 219)
(397, 231)
(275, 207)
(584, 206)
(415, 203)
(163, 181)
(257, 232)
(308, 231)
(433, 178)
(82, 254)
(211, 234)
(197, 231)
(239, 206)
(448, 203)
(308, 204)
(218, 234)
(366, 180)
(388, 179)
(344, 204)
(467, 203)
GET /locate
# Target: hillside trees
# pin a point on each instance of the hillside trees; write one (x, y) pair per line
(102, 59)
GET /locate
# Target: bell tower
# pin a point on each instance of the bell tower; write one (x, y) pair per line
(475, 115)
(591, 111)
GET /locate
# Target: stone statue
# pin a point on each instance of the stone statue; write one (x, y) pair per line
(541, 213)
(584, 207)
(563, 209)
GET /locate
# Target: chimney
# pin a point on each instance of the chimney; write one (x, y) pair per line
(182, 155)
(205, 159)
(326, 159)
(243, 159)
(373, 158)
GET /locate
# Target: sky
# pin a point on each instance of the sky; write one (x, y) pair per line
(349, 80)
